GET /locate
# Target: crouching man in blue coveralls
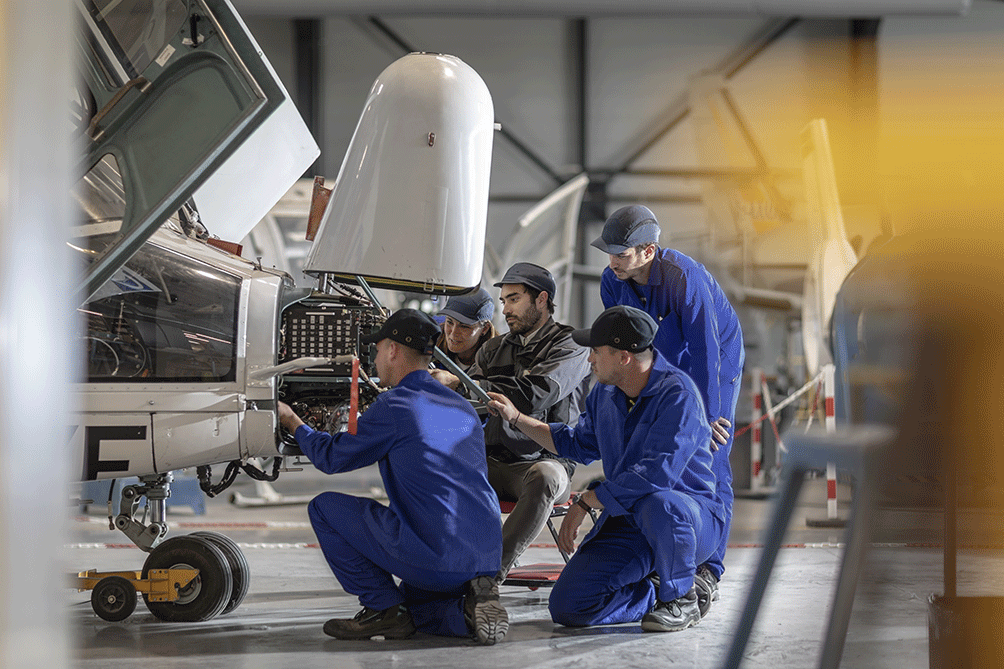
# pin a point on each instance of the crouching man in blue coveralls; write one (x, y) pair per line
(441, 533)
(661, 517)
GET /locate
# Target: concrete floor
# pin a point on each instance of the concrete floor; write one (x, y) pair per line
(293, 592)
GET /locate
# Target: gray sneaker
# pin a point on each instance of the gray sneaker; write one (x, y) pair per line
(706, 584)
(486, 617)
(673, 616)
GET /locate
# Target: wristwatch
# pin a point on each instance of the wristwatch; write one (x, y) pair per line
(581, 502)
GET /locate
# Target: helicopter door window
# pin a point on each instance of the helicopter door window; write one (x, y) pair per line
(136, 31)
(163, 317)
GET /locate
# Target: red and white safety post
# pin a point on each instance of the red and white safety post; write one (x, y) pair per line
(765, 409)
(829, 391)
(830, 424)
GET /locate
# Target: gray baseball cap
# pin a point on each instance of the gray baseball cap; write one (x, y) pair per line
(628, 227)
(470, 309)
(531, 275)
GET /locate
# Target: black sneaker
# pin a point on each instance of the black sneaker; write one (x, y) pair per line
(486, 618)
(673, 616)
(706, 584)
(391, 623)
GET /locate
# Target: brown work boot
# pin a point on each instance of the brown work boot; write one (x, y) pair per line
(391, 623)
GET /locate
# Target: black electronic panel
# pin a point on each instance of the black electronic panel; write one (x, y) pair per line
(324, 330)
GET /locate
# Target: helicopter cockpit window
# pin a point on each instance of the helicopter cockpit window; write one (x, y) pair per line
(137, 30)
(163, 317)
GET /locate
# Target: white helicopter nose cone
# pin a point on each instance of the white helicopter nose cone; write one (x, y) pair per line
(409, 207)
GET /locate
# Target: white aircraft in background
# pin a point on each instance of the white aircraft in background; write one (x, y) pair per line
(189, 345)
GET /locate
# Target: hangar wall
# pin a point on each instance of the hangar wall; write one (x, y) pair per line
(634, 73)
(635, 70)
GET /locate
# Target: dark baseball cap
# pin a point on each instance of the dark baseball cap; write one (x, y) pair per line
(622, 327)
(531, 275)
(628, 227)
(415, 329)
(470, 309)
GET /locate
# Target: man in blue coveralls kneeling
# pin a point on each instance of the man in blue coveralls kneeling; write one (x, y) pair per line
(661, 517)
(441, 533)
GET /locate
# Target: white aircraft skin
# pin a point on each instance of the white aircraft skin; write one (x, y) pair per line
(180, 425)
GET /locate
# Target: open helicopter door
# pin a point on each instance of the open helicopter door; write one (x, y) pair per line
(169, 90)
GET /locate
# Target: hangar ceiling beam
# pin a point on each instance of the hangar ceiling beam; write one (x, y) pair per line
(517, 143)
(779, 202)
(594, 8)
(728, 67)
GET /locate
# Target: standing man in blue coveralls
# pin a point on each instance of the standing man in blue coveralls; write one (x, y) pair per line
(441, 533)
(699, 332)
(661, 516)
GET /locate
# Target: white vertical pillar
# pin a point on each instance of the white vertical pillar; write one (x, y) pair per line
(756, 437)
(829, 391)
(37, 349)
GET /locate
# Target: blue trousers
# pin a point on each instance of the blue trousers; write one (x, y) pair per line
(605, 582)
(365, 568)
(723, 474)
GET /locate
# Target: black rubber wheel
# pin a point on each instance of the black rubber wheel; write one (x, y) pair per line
(238, 567)
(207, 594)
(113, 598)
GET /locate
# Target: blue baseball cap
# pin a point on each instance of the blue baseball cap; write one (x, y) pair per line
(628, 227)
(411, 327)
(470, 309)
(529, 274)
(622, 327)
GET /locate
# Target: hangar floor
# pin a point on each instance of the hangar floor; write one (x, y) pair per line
(292, 593)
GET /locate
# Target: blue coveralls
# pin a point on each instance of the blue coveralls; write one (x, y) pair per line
(699, 332)
(442, 526)
(661, 513)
